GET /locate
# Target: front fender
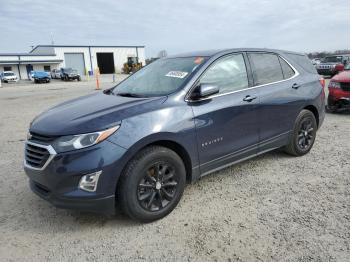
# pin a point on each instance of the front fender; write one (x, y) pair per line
(172, 124)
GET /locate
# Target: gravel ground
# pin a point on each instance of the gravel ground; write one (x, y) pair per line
(271, 208)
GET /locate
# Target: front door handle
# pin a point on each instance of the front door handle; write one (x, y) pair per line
(249, 98)
(295, 86)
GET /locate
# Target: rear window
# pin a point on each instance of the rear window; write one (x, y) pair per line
(288, 72)
(304, 62)
(266, 68)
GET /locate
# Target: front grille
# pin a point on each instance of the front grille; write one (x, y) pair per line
(41, 138)
(36, 156)
(345, 86)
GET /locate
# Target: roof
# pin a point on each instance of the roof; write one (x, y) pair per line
(25, 54)
(99, 46)
(209, 53)
(25, 62)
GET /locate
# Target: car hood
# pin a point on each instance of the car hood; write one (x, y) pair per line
(91, 113)
(343, 76)
(328, 63)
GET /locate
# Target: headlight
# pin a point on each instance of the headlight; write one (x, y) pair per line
(334, 84)
(73, 142)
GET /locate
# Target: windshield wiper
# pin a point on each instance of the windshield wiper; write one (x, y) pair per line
(129, 95)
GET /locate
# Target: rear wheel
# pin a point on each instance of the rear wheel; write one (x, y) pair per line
(152, 184)
(304, 134)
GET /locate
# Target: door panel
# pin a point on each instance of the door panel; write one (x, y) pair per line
(226, 123)
(279, 98)
(227, 129)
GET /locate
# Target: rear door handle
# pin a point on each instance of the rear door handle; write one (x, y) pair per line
(249, 98)
(295, 86)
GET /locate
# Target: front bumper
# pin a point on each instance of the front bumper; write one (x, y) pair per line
(338, 97)
(10, 79)
(58, 181)
(103, 205)
(73, 77)
(330, 71)
(42, 80)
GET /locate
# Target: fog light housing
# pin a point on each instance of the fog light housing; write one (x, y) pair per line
(89, 182)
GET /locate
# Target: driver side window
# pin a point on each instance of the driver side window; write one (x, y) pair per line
(228, 73)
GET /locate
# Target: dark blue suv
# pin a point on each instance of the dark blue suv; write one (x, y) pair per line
(179, 118)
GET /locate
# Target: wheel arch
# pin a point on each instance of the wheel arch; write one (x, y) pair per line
(171, 144)
(181, 151)
(314, 110)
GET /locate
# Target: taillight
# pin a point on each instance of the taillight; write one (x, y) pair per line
(323, 82)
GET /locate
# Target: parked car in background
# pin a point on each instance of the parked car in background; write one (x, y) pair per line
(40, 77)
(332, 65)
(339, 91)
(56, 74)
(171, 122)
(8, 76)
(69, 74)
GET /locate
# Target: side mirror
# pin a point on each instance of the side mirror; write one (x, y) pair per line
(204, 90)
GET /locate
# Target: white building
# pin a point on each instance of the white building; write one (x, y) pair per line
(106, 59)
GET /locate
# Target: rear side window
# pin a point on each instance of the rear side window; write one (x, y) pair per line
(288, 72)
(228, 73)
(304, 62)
(266, 68)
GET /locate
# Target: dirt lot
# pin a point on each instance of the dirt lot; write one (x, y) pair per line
(272, 208)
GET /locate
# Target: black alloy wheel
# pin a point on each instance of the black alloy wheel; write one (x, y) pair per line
(306, 133)
(152, 184)
(158, 187)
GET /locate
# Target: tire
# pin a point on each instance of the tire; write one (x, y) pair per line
(304, 134)
(145, 196)
(331, 109)
(331, 106)
(78, 79)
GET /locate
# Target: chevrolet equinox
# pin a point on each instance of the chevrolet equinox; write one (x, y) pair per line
(179, 118)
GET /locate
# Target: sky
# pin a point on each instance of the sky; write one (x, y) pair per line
(177, 26)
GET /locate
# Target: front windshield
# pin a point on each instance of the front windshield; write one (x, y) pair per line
(332, 59)
(9, 74)
(161, 77)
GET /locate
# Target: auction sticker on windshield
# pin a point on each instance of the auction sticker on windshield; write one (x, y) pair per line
(177, 74)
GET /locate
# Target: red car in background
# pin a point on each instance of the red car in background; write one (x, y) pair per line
(339, 90)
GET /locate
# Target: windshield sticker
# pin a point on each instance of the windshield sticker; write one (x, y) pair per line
(177, 74)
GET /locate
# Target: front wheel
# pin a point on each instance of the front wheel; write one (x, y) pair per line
(152, 184)
(304, 134)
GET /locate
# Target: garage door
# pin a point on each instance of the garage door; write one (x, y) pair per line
(75, 61)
